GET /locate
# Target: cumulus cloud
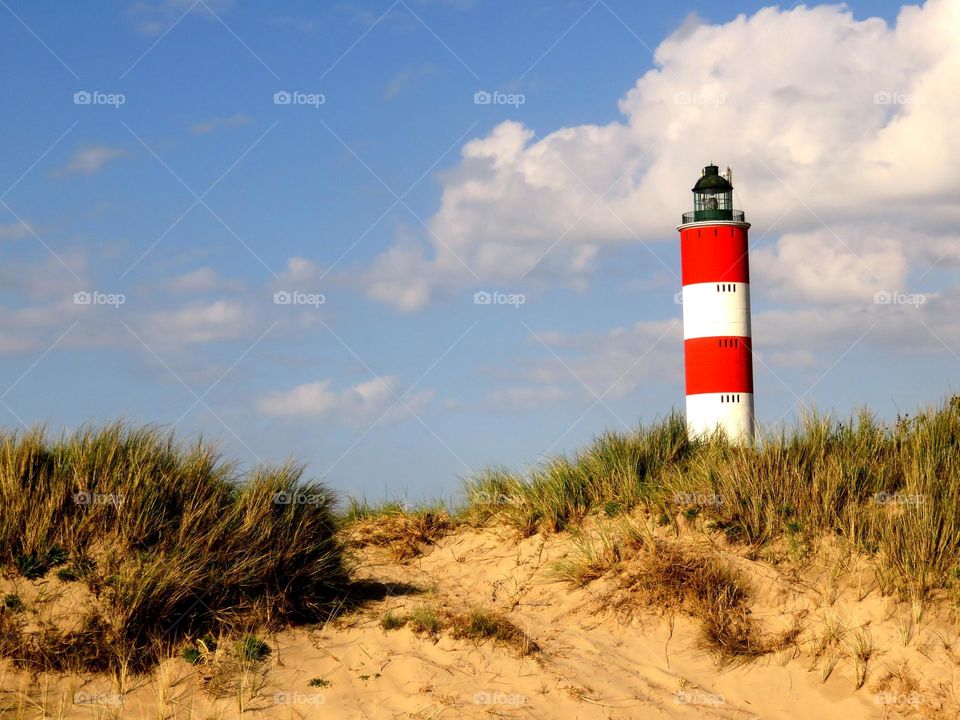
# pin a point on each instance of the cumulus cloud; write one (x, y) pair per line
(845, 123)
(89, 160)
(359, 404)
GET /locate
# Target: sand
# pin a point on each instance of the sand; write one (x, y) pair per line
(592, 664)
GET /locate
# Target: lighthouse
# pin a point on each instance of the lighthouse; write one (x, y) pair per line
(718, 355)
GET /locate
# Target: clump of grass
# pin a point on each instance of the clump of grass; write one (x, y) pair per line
(252, 649)
(669, 577)
(169, 540)
(319, 682)
(424, 620)
(393, 621)
(595, 554)
(404, 532)
(860, 648)
(478, 625)
(13, 602)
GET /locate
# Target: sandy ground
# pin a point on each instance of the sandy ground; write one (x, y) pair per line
(592, 664)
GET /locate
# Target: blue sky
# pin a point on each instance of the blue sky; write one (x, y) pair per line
(398, 197)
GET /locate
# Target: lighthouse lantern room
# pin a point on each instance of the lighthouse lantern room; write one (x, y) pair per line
(718, 355)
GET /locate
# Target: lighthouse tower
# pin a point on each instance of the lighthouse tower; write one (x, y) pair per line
(716, 312)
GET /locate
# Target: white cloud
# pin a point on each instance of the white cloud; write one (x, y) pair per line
(825, 118)
(219, 123)
(89, 160)
(828, 265)
(16, 230)
(359, 404)
(407, 76)
(154, 18)
(199, 323)
(202, 280)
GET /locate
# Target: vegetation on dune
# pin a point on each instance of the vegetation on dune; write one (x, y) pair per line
(890, 492)
(477, 624)
(166, 541)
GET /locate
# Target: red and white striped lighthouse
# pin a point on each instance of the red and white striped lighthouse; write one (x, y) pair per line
(716, 312)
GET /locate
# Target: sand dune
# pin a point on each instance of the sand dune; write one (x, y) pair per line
(592, 662)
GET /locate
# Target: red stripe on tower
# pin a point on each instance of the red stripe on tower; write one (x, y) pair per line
(716, 312)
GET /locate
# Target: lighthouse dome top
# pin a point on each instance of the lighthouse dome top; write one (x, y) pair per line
(711, 181)
(713, 198)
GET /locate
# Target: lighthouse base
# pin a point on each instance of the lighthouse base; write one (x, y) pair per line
(728, 413)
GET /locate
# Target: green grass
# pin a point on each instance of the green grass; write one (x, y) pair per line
(171, 541)
(889, 491)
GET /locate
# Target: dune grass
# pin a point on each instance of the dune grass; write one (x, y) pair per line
(891, 492)
(166, 541)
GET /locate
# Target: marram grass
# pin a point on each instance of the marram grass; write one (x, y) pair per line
(164, 540)
(891, 492)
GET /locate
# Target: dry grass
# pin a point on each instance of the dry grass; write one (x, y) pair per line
(477, 624)
(404, 533)
(668, 577)
(161, 540)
